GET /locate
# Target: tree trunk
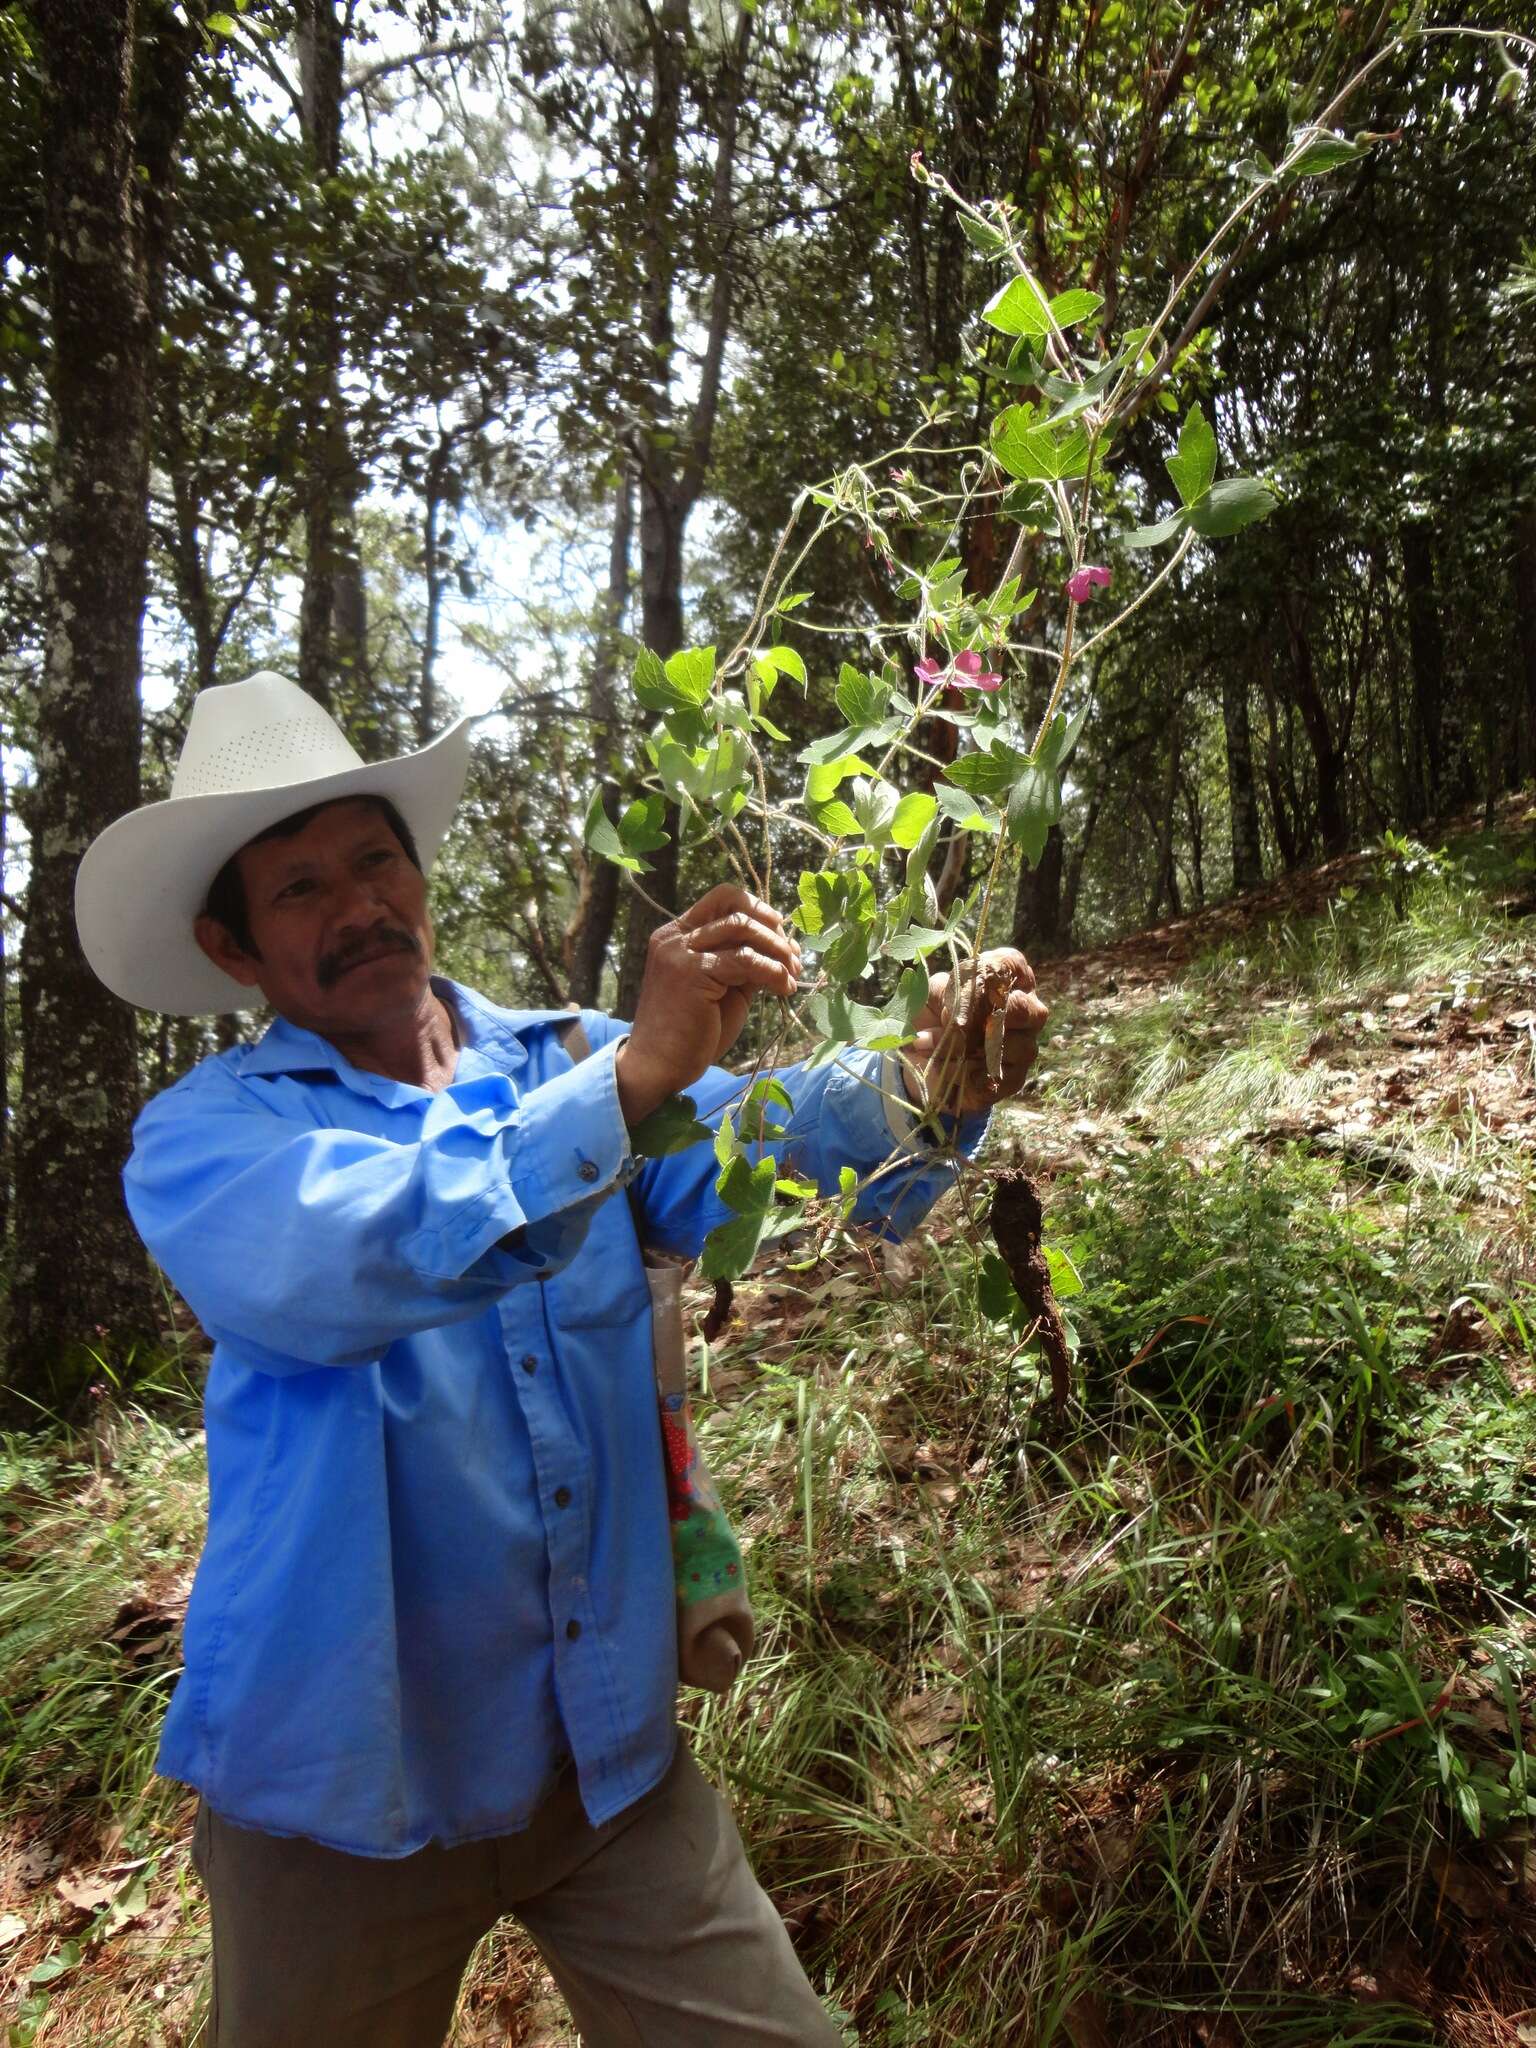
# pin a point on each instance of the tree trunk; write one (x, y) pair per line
(1038, 927)
(1327, 753)
(5, 1050)
(433, 570)
(1242, 791)
(661, 628)
(1525, 632)
(1426, 652)
(1075, 866)
(333, 609)
(1190, 790)
(588, 933)
(671, 475)
(1165, 883)
(87, 1284)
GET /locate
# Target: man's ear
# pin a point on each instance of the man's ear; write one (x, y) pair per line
(222, 949)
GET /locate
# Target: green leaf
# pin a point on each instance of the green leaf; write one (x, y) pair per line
(840, 1020)
(1322, 154)
(996, 1295)
(64, 1958)
(1193, 468)
(638, 831)
(971, 813)
(1065, 1278)
(671, 1128)
(1035, 452)
(691, 671)
(746, 1187)
(1154, 536)
(793, 602)
(722, 770)
(1230, 506)
(640, 828)
(911, 996)
(1017, 309)
(785, 661)
(681, 684)
(824, 777)
(912, 817)
(990, 241)
(861, 698)
(846, 957)
(650, 682)
(915, 943)
(221, 24)
(834, 818)
(762, 1096)
(811, 916)
(1061, 739)
(1068, 308)
(797, 1190)
(1024, 365)
(831, 899)
(986, 774)
(874, 805)
(1031, 506)
(850, 742)
(731, 1247)
(1034, 806)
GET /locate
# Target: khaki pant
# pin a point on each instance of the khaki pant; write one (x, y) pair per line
(653, 1927)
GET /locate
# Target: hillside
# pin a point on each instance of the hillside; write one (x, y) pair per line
(1202, 1713)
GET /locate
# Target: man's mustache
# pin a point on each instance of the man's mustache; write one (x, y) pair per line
(384, 938)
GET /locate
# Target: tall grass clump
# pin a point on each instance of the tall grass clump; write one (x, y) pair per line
(1450, 920)
(1131, 1724)
(100, 1534)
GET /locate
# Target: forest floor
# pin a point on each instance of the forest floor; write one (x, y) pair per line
(1203, 1712)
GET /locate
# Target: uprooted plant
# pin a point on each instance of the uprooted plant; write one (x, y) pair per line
(960, 662)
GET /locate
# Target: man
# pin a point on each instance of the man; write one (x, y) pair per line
(430, 1653)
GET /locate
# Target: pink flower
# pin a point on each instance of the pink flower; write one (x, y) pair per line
(970, 675)
(1080, 585)
(965, 672)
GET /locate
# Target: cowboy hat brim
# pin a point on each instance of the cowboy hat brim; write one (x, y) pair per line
(146, 878)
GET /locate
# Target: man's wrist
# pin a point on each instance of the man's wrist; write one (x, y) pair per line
(639, 1090)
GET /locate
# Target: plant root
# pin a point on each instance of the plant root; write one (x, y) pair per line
(719, 1312)
(1018, 1223)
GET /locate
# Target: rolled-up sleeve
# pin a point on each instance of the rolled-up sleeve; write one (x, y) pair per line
(308, 1245)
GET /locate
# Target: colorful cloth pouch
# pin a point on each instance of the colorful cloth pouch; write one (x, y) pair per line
(714, 1619)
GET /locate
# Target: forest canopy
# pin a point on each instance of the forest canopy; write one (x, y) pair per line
(432, 352)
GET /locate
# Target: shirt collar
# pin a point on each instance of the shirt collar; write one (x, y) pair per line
(285, 1048)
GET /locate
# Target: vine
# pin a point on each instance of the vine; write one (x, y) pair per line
(956, 656)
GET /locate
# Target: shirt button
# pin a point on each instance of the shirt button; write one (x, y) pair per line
(572, 1631)
(587, 1170)
(530, 1362)
(562, 1496)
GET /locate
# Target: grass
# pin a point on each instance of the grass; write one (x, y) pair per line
(1138, 1718)
(1199, 1715)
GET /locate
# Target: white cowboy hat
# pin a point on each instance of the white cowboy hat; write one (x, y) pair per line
(255, 752)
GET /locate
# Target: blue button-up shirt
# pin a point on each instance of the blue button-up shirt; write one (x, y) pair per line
(438, 1557)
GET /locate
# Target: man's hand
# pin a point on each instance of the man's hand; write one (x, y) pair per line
(977, 1034)
(701, 972)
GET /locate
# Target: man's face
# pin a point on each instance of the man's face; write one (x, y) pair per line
(338, 923)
